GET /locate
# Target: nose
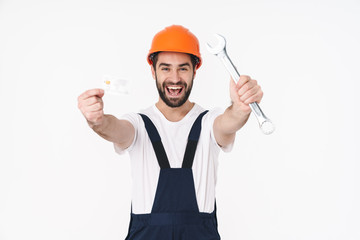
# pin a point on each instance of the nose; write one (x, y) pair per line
(175, 76)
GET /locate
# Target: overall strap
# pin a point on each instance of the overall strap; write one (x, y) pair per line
(192, 142)
(156, 142)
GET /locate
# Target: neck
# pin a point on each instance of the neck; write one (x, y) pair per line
(174, 114)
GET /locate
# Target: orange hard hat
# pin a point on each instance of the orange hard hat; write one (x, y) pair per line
(175, 38)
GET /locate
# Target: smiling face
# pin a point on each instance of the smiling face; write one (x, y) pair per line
(174, 76)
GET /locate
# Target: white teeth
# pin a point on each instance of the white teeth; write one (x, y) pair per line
(174, 88)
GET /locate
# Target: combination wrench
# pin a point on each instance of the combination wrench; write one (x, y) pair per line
(219, 50)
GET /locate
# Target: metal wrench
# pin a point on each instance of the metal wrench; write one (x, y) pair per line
(219, 50)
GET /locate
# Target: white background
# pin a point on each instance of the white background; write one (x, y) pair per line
(59, 180)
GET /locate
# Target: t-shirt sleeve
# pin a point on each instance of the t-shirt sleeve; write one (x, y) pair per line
(133, 118)
(212, 115)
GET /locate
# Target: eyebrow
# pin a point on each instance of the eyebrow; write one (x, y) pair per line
(184, 64)
(164, 64)
(168, 65)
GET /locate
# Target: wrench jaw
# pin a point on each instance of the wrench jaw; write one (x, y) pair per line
(267, 127)
(219, 47)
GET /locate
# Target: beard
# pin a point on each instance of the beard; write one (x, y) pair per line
(174, 102)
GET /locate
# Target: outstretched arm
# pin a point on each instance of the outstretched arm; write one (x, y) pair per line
(120, 132)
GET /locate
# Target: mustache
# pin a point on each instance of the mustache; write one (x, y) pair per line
(181, 83)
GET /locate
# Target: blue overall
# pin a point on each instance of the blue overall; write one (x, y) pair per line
(175, 213)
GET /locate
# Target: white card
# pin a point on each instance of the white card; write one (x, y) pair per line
(115, 85)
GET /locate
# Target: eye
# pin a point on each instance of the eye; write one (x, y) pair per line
(165, 69)
(183, 69)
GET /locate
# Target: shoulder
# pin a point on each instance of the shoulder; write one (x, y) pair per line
(135, 118)
(208, 127)
(138, 124)
(212, 114)
(209, 117)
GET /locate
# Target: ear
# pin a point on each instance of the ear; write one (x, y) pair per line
(153, 72)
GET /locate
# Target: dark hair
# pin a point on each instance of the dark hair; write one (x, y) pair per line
(154, 58)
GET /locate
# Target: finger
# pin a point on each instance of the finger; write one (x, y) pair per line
(233, 92)
(247, 86)
(249, 93)
(255, 98)
(89, 101)
(92, 92)
(242, 80)
(95, 107)
(233, 86)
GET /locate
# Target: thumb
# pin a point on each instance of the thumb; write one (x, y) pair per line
(232, 83)
(233, 88)
(100, 93)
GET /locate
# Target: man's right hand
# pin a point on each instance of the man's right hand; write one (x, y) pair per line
(91, 106)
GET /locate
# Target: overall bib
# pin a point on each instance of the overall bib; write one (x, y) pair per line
(175, 214)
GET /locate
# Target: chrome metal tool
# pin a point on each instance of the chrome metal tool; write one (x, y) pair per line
(266, 126)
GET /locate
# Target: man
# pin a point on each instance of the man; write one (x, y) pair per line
(174, 144)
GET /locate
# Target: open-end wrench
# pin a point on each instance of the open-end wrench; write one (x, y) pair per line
(219, 50)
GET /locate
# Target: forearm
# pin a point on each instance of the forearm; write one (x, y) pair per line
(227, 124)
(114, 130)
(232, 120)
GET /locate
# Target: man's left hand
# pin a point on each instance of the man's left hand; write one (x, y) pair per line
(244, 92)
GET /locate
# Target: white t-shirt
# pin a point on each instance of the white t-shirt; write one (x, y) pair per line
(145, 167)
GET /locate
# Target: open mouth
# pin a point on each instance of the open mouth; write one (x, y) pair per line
(174, 91)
